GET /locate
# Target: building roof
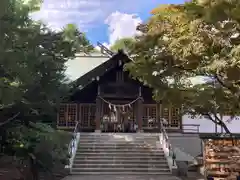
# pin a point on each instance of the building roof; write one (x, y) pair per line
(83, 63)
(92, 66)
(84, 68)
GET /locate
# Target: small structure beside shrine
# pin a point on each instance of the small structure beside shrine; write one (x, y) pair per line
(221, 155)
(107, 99)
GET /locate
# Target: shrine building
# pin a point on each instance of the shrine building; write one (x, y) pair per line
(107, 99)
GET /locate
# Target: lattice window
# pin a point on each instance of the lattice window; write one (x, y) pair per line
(92, 110)
(165, 115)
(72, 114)
(87, 115)
(150, 115)
(145, 116)
(106, 110)
(175, 117)
(84, 116)
(62, 115)
(67, 115)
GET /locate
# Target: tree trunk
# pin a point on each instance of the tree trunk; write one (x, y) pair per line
(224, 126)
(218, 121)
(34, 169)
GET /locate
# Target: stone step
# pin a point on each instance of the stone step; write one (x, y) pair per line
(131, 144)
(118, 141)
(145, 135)
(119, 161)
(120, 151)
(119, 137)
(119, 134)
(122, 177)
(116, 169)
(120, 154)
(114, 141)
(144, 173)
(124, 166)
(118, 148)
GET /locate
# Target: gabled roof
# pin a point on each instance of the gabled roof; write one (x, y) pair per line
(83, 63)
(99, 68)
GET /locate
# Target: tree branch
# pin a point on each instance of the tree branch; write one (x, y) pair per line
(218, 122)
(10, 119)
(210, 117)
(223, 84)
(6, 106)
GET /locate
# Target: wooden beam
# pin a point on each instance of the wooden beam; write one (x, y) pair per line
(158, 111)
(105, 50)
(140, 114)
(98, 114)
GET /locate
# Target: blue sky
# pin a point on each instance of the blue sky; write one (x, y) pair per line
(102, 20)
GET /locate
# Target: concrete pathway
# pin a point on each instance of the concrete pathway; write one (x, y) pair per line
(119, 177)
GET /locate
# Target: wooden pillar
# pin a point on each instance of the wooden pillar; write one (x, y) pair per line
(140, 111)
(98, 115)
(139, 114)
(159, 115)
(98, 112)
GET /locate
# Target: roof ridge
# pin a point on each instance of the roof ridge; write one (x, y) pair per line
(91, 54)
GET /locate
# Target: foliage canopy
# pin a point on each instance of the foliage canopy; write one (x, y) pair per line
(197, 38)
(125, 44)
(32, 84)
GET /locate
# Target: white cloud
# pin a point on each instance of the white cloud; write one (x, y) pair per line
(85, 13)
(122, 25)
(57, 13)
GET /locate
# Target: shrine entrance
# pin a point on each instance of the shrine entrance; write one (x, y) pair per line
(119, 116)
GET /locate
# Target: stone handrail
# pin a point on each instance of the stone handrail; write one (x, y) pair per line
(167, 148)
(72, 147)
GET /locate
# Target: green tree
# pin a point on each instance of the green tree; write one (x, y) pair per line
(125, 44)
(197, 38)
(81, 43)
(32, 82)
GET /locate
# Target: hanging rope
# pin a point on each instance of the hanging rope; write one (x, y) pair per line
(120, 105)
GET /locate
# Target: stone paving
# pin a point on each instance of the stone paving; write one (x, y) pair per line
(119, 177)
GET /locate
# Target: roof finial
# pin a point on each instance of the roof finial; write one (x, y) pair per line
(105, 50)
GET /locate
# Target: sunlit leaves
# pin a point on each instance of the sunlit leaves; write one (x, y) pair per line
(125, 44)
(187, 40)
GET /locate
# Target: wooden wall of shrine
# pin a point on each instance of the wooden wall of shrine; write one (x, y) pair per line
(117, 88)
(85, 114)
(221, 158)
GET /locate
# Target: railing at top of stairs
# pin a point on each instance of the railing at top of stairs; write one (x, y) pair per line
(167, 147)
(73, 145)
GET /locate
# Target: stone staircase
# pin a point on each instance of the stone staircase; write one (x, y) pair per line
(119, 154)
